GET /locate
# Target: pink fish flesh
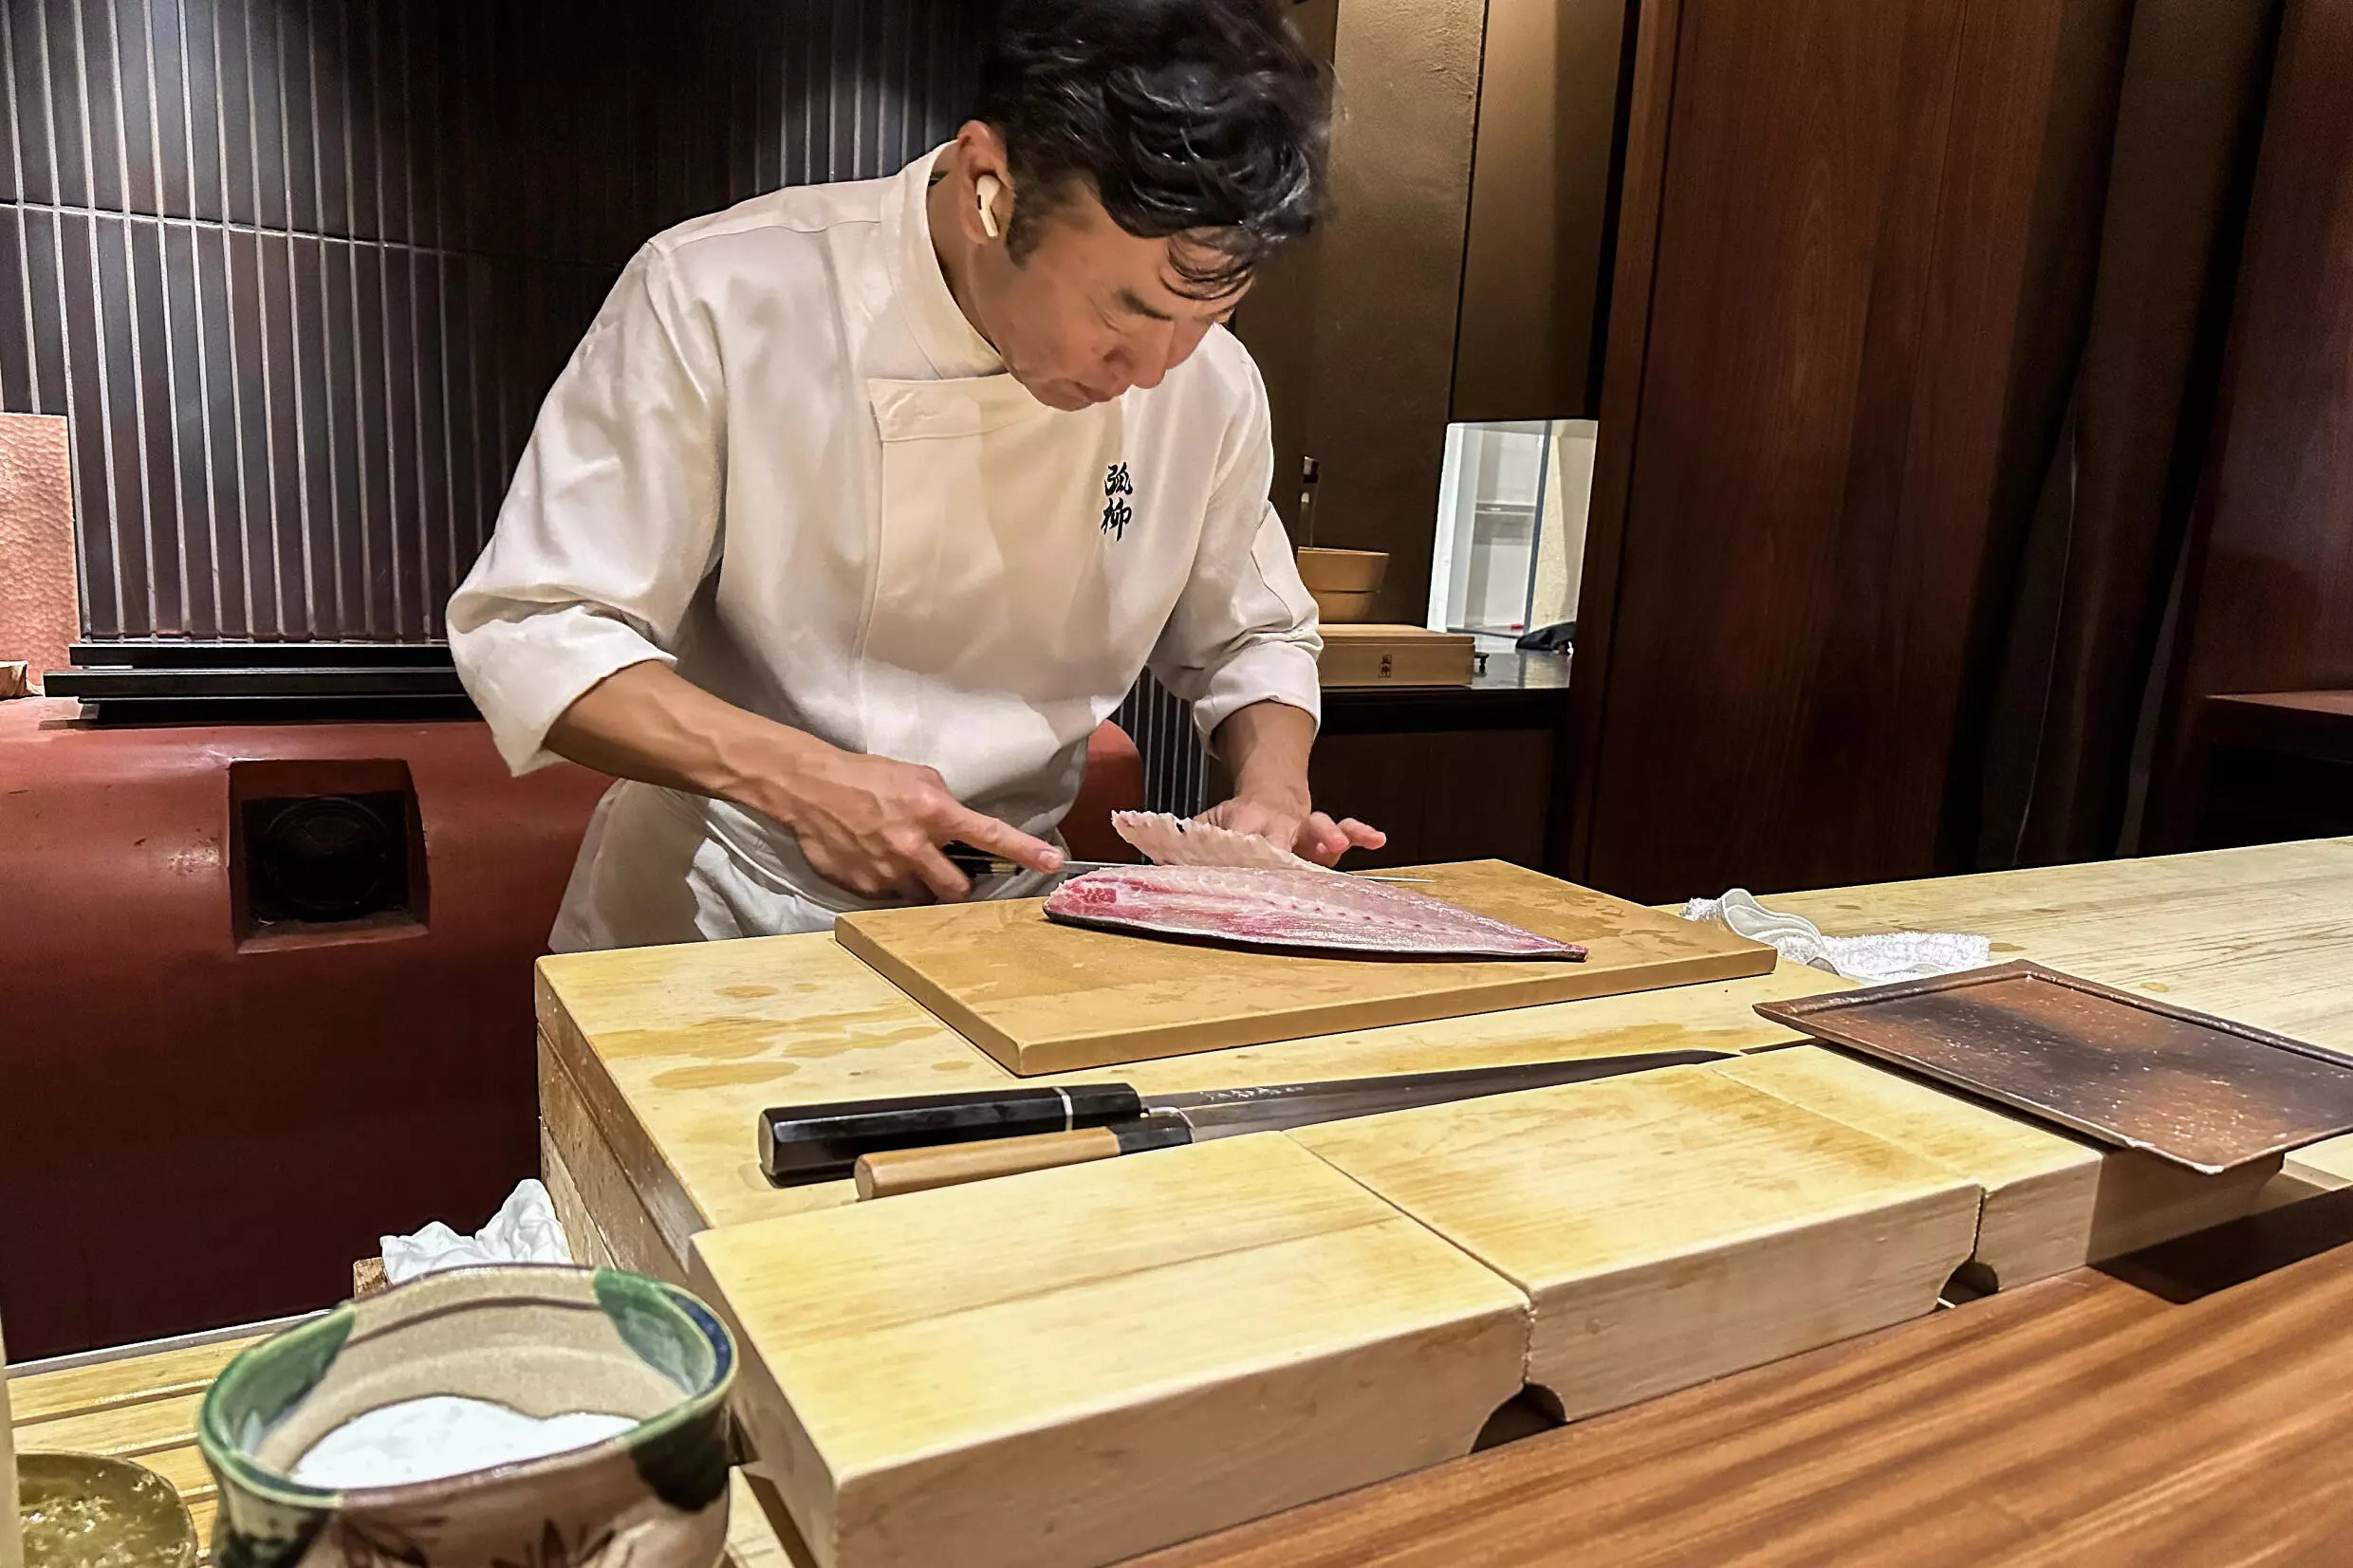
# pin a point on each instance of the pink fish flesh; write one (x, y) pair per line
(1318, 911)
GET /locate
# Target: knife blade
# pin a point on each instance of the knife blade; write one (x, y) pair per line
(811, 1143)
(1170, 1121)
(979, 863)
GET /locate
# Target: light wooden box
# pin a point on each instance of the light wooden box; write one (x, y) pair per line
(2051, 1202)
(1065, 1368)
(1671, 1227)
(1375, 654)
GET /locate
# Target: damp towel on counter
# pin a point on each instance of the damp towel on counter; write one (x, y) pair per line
(1874, 960)
(525, 1230)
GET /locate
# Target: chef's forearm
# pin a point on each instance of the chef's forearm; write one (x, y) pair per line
(650, 723)
(1266, 745)
(866, 824)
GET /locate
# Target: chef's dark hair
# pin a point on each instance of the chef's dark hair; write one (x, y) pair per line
(1205, 119)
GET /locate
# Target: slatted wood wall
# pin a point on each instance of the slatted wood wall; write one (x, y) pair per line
(300, 272)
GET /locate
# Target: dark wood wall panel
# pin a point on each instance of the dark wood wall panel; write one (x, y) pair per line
(301, 271)
(1388, 284)
(2269, 604)
(1538, 239)
(1828, 211)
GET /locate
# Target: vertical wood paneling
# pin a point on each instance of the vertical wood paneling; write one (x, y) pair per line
(301, 271)
(16, 388)
(43, 297)
(11, 151)
(1389, 281)
(1829, 216)
(2269, 601)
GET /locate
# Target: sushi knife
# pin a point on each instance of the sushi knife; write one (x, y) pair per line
(1169, 1121)
(977, 863)
(813, 1143)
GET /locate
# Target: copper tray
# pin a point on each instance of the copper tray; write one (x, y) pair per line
(2199, 1091)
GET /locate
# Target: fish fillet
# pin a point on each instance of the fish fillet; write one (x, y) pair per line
(1313, 909)
(1168, 840)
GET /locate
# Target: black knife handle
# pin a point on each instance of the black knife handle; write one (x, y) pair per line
(813, 1143)
(975, 862)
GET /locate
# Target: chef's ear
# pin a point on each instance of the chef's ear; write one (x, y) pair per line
(988, 186)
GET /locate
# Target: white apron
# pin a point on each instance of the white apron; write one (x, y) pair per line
(659, 866)
(654, 868)
(782, 462)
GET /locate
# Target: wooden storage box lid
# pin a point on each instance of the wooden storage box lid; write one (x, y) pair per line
(1669, 1226)
(2053, 1202)
(1064, 1369)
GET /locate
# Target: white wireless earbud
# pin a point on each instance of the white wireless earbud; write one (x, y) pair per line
(987, 187)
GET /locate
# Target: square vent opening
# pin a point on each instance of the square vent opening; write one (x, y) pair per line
(325, 851)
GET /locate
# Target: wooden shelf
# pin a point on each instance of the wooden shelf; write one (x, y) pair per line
(2299, 724)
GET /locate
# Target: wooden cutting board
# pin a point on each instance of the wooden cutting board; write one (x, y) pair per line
(1064, 1369)
(1046, 998)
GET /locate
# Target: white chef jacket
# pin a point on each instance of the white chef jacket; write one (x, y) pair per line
(784, 462)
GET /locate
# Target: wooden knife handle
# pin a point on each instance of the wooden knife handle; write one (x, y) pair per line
(890, 1172)
(886, 1173)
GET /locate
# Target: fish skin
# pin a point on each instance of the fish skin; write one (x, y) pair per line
(1171, 840)
(1307, 909)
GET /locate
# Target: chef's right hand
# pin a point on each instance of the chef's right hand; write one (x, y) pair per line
(875, 826)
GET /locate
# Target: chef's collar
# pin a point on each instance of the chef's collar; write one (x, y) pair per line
(941, 329)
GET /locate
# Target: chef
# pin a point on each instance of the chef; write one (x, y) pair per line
(861, 506)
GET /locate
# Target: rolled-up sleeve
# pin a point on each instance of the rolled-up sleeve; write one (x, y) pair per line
(612, 522)
(1244, 629)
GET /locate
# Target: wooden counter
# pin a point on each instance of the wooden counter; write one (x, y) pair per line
(141, 1407)
(2140, 1413)
(140, 1404)
(655, 1062)
(2259, 935)
(2189, 1406)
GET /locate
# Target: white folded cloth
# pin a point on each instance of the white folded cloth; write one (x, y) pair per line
(1874, 960)
(525, 1230)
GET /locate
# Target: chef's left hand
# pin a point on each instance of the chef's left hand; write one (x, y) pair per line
(1293, 821)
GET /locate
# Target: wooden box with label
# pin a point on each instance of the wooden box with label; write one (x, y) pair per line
(1395, 655)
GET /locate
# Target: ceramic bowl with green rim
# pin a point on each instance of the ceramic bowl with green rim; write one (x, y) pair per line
(541, 1340)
